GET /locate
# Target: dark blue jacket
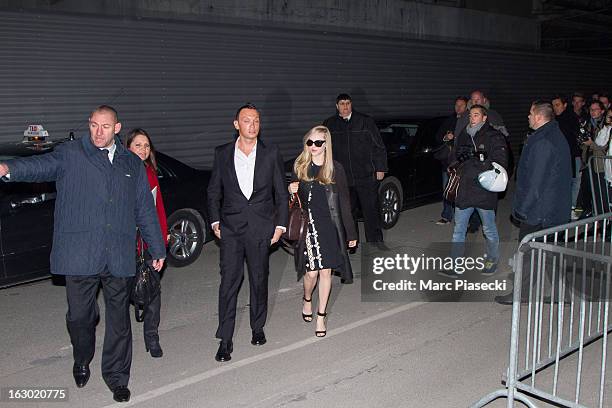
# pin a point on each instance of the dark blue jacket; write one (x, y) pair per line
(543, 190)
(98, 207)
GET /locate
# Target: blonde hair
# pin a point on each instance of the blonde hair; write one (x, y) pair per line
(326, 173)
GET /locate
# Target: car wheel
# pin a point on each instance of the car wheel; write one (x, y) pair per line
(186, 237)
(390, 198)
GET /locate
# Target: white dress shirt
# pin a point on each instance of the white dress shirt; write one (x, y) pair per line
(245, 169)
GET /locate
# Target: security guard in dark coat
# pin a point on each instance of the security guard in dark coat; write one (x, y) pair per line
(361, 151)
(102, 196)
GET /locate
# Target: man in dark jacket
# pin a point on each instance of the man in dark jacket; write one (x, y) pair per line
(578, 105)
(569, 125)
(494, 119)
(477, 147)
(361, 151)
(588, 133)
(543, 189)
(102, 196)
(444, 137)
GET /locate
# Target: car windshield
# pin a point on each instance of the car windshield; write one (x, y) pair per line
(398, 136)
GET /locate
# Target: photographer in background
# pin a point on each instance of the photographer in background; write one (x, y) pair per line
(600, 166)
(605, 100)
(569, 125)
(587, 133)
(578, 102)
(476, 147)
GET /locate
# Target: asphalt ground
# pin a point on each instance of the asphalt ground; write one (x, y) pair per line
(376, 354)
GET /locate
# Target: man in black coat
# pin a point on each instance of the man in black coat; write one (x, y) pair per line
(543, 189)
(102, 196)
(578, 105)
(477, 147)
(361, 151)
(495, 120)
(444, 137)
(248, 207)
(570, 126)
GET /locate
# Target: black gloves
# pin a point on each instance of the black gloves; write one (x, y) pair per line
(464, 155)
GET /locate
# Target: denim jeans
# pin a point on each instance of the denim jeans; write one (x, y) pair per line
(462, 218)
(447, 206)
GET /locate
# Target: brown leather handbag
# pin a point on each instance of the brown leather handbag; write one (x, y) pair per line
(298, 220)
(452, 187)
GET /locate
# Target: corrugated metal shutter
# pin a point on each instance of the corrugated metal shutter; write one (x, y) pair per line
(183, 81)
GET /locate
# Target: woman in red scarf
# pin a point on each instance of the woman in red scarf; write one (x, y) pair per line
(140, 143)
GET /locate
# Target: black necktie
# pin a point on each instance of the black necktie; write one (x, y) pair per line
(106, 153)
(346, 120)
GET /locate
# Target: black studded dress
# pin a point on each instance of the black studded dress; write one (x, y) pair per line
(322, 249)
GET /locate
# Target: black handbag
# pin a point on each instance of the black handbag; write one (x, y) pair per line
(297, 224)
(145, 286)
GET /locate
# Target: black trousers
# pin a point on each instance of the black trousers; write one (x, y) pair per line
(153, 313)
(152, 317)
(82, 318)
(234, 251)
(364, 195)
(603, 193)
(525, 229)
(585, 200)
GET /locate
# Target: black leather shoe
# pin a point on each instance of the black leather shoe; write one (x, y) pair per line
(121, 393)
(381, 246)
(224, 351)
(155, 350)
(80, 374)
(259, 339)
(505, 299)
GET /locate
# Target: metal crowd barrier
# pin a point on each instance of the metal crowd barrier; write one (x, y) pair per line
(560, 317)
(600, 176)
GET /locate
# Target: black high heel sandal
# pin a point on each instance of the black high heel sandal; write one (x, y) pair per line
(322, 333)
(306, 317)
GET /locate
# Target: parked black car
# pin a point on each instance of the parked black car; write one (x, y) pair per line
(415, 176)
(26, 215)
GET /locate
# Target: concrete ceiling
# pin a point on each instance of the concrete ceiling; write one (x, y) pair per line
(576, 26)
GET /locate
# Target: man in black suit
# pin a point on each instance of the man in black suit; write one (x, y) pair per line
(247, 203)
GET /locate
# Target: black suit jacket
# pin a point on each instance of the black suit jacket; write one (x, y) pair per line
(268, 205)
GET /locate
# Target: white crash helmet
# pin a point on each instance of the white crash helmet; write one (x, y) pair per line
(494, 180)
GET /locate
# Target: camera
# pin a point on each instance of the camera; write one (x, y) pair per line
(481, 153)
(583, 133)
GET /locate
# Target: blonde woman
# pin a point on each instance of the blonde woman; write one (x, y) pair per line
(321, 185)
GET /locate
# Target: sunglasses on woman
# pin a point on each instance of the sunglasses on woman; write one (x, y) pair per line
(317, 143)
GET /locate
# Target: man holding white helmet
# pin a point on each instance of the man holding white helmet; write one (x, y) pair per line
(476, 148)
(543, 196)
